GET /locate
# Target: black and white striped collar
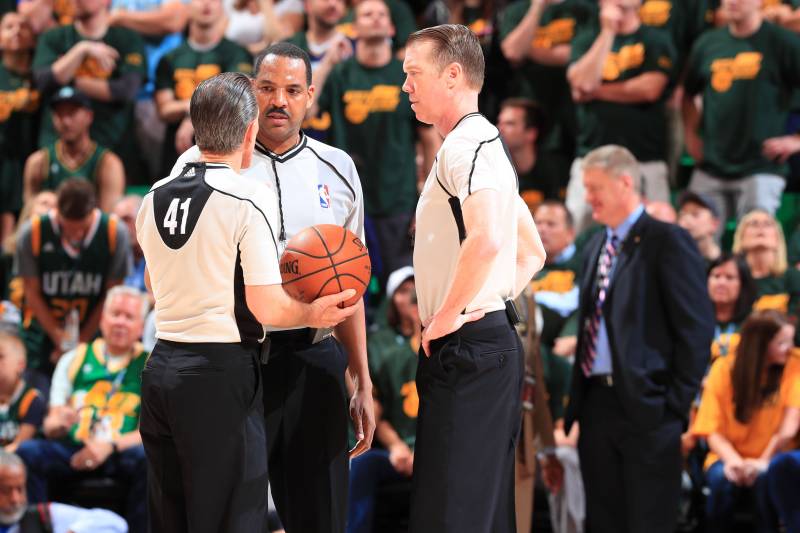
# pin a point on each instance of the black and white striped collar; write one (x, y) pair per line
(288, 154)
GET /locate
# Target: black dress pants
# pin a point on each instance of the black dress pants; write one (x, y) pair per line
(306, 415)
(469, 418)
(202, 427)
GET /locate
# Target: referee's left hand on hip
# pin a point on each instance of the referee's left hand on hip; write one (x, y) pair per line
(440, 325)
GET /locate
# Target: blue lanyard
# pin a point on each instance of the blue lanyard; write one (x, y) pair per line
(730, 329)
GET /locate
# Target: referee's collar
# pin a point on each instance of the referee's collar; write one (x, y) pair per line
(288, 154)
(465, 117)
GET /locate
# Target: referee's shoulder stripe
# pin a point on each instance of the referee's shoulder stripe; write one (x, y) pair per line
(251, 202)
(475, 158)
(335, 171)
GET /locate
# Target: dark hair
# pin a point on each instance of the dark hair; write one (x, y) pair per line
(535, 116)
(750, 391)
(561, 205)
(221, 109)
(392, 313)
(748, 291)
(75, 198)
(283, 50)
(454, 43)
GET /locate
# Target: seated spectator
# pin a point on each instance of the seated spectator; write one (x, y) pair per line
(74, 154)
(103, 62)
(698, 214)
(92, 426)
(205, 53)
(759, 237)
(745, 400)
(19, 114)
(22, 407)
(522, 125)
(322, 37)
(17, 516)
(662, 211)
(67, 260)
(393, 366)
(252, 24)
(127, 209)
(733, 292)
(620, 75)
(741, 148)
(11, 288)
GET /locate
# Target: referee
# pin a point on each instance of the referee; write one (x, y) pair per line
(207, 236)
(305, 398)
(470, 259)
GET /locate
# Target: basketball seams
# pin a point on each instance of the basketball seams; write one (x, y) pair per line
(326, 268)
(301, 252)
(330, 258)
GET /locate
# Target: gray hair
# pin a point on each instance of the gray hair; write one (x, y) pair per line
(124, 290)
(616, 161)
(10, 459)
(221, 109)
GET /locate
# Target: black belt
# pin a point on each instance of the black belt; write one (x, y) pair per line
(298, 336)
(601, 380)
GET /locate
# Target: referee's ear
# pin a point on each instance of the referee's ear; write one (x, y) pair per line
(249, 143)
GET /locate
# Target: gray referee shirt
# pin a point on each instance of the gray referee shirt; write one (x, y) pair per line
(206, 232)
(314, 184)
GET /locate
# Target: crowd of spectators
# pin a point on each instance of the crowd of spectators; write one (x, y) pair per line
(94, 108)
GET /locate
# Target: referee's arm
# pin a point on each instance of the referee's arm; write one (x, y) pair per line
(273, 307)
(530, 250)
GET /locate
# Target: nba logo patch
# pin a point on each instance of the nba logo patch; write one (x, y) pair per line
(324, 196)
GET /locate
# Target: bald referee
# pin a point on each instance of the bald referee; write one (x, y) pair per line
(207, 236)
(305, 398)
(476, 248)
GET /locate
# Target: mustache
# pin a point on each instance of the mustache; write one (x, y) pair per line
(277, 110)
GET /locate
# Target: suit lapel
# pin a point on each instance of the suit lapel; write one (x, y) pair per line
(627, 251)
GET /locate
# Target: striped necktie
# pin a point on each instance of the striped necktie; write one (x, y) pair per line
(593, 325)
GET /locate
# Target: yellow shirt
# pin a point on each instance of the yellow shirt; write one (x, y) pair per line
(716, 413)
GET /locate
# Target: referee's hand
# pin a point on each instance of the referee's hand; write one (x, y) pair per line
(326, 313)
(440, 325)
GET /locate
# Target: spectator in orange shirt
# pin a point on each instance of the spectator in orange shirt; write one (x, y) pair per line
(746, 397)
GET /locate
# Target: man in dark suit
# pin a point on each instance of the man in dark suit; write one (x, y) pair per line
(646, 328)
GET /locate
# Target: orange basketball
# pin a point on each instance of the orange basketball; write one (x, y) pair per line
(325, 259)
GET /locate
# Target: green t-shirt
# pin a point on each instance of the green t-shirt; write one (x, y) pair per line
(393, 367)
(108, 403)
(112, 120)
(746, 85)
(26, 407)
(683, 21)
(184, 68)
(68, 281)
(642, 128)
(19, 124)
(545, 181)
(372, 120)
(402, 19)
(58, 171)
(793, 248)
(547, 85)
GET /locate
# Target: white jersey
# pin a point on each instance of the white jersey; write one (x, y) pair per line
(206, 232)
(314, 183)
(471, 158)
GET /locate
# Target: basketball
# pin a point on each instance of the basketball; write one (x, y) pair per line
(325, 259)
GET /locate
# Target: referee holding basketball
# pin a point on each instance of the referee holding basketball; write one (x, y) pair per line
(212, 256)
(305, 398)
(470, 259)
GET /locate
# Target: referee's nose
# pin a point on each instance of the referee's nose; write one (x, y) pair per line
(279, 98)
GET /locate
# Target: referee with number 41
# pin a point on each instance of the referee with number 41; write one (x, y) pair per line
(212, 256)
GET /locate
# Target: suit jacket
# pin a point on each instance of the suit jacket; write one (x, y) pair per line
(659, 318)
